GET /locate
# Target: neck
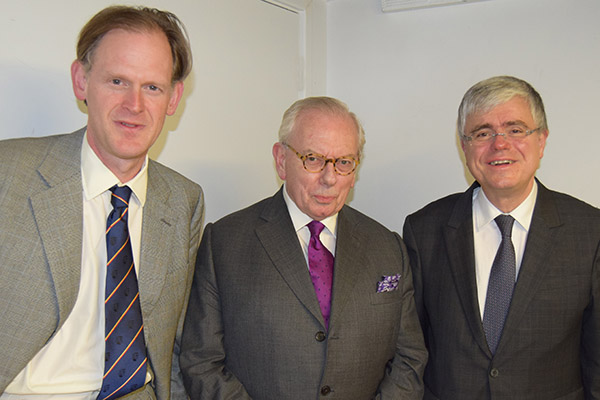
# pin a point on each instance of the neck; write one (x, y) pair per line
(507, 201)
(125, 173)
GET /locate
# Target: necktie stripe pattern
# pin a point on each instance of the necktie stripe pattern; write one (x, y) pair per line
(125, 347)
(320, 264)
(120, 283)
(122, 354)
(108, 334)
(501, 284)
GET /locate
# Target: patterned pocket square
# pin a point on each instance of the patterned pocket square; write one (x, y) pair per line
(388, 284)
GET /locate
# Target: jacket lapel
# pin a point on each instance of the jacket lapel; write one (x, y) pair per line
(461, 254)
(349, 259)
(280, 241)
(540, 239)
(158, 233)
(58, 212)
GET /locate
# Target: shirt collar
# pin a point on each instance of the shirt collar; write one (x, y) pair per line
(97, 178)
(300, 220)
(485, 212)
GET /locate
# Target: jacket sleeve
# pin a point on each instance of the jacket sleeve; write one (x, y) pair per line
(202, 357)
(590, 337)
(178, 391)
(404, 373)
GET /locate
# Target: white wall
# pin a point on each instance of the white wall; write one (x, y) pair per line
(404, 74)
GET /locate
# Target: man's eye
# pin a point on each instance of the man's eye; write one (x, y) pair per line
(311, 158)
(481, 134)
(344, 161)
(153, 88)
(516, 130)
(116, 81)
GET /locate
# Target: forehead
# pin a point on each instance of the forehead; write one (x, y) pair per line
(148, 48)
(326, 131)
(515, 110)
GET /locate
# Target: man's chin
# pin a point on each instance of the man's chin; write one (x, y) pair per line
(324, 211)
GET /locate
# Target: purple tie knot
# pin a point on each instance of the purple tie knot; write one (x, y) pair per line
(315, 228)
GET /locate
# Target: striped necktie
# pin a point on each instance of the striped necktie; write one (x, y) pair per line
(125, 348)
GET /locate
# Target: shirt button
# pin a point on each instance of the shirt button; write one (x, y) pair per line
(320, 336)
(494, 373)
(325, 390)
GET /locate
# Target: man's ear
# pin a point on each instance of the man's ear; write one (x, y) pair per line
(79, 80)
(542, 141)
(176, 94)
(279, 156)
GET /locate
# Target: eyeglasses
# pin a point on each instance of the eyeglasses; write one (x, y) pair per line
(315, 162)
(486, 135)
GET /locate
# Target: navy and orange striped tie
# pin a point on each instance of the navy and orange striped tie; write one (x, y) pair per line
(125, 348)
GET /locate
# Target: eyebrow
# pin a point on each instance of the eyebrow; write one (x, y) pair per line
(307, 152)
(504, 125)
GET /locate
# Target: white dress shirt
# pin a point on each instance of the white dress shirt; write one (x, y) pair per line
(487, 237)
(300, 220)
(71, 364)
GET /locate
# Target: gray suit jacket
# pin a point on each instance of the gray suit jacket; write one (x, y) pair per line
(254, 328)
(40, 253)
(550, 346)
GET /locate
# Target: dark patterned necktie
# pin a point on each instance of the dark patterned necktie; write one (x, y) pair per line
(320, 264)
(501, 284)
(125, 348)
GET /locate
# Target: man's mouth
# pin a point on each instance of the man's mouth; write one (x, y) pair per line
(324, 199)
(501, 162)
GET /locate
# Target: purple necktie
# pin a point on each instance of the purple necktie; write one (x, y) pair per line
(320, 264)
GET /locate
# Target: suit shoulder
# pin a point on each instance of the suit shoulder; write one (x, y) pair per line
(365, 222)
(568, 200)
(27, 150)
(371, 233)
(243, 216)
(572, 208)
(174, 179)
(438, 208)
(21, 158)
(171, 174)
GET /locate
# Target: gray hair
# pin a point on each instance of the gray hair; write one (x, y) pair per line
(324, 104)
(489, 93)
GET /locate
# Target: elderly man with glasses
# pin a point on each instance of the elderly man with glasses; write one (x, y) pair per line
(507, 274)
(300, 296)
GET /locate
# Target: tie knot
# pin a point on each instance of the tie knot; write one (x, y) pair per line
(120, 196)
(315, 228)
(505, 224)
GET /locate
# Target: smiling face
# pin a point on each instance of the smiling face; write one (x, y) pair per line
(318, 194)
(129, 93)
(505, 168)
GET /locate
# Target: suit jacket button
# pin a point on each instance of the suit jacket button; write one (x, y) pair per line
(325, 390)
(494, 373)
(320, 336)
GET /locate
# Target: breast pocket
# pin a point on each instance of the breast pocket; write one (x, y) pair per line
(394, 296)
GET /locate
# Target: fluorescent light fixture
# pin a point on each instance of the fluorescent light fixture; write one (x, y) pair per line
(401, 5)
